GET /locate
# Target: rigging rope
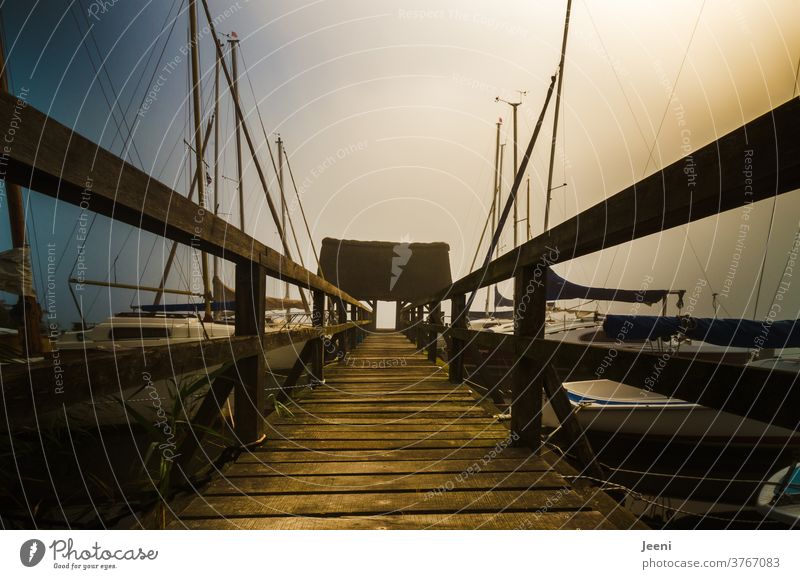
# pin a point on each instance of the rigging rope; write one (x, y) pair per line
(796, 77)
(674, 85)
(786, 266)
(150, 57)
(705, 274)
(116, 105)
(266, 140)
(128, 137)
(302, 211)
(763, 266)
(616, 75)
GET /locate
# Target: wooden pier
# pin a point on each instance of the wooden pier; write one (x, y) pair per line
(388, 438)
(387, 442)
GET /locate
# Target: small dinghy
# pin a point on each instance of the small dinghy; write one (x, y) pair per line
(779, 498)
(605, 406)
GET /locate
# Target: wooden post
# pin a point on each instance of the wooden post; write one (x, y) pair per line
(419, 334)
(354, 329)
(434, 317)
(344, 336)
(249, 391)
(455, 357)
(318, 355)
(527, 381)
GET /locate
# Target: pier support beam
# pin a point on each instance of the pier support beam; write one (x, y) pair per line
(353, 334)
(398, 315)
(249, 391)
(318, 353)
(455, 357)
(344, 338)
(434, 317)
(530, 304)
(419, 334)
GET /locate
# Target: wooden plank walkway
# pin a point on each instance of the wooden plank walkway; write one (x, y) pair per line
(388, 443)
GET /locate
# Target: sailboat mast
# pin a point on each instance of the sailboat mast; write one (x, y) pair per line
(174, 248)
(494, 191)
(216, 149)
(30, 311)
(528, 209)
(198, 140)
(499, 194)
(495, 205)
(516, 217)
(555, 118)
(279, 143)
(234, 42)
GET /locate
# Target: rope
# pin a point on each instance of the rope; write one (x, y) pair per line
(796, 77)
(483, 233)
(269, 148)
(763, 266)
(275, 169)
(705, 274)
(616, 76)
(149, 58)
(111, 107)
(302, 211)
(786, 266)
(672, 91)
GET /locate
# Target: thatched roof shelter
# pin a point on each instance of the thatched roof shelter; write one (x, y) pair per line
(385, 270)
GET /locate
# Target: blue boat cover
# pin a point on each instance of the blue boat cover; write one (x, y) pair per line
(731, 332)
(560, 289)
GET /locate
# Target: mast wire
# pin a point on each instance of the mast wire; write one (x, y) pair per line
(674, 86)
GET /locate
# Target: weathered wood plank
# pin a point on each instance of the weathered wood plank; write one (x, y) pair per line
(385, 503)
(431, 455)
(53, 159)
(329, 434)
(398, 467)
(403, 429)
(261, 456)
(447, 521)
(370, 444)
(372, 420)
(380, 483)
(372, 456)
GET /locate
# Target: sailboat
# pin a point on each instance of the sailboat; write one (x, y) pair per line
(615, 409)
(211, 316)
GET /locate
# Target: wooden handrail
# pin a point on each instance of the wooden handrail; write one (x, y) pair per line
(728, 387)
(709, 181)
(43, 387)
(53, 159)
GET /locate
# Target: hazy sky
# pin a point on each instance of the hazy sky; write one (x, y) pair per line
(388, 113)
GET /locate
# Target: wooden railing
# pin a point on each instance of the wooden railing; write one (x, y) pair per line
(709, 181)
(49, 157)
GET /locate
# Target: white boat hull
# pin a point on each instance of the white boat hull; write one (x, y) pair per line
(613, 408)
